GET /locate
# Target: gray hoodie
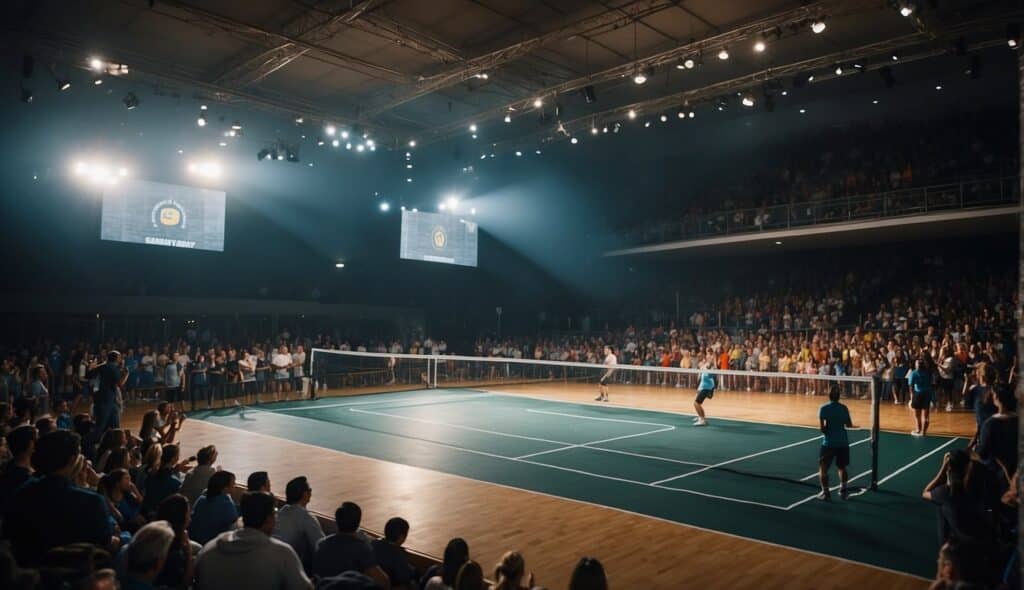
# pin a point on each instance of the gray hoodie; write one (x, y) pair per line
(249, 558)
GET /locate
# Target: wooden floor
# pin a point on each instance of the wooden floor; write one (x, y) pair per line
(553, 533)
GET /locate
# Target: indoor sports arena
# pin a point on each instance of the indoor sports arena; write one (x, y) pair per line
(511, 295)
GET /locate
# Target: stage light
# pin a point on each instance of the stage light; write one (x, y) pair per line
(26, 95)
(335, 143)
(681, 115)
(760, 46)
(802, 111)
(508, 118)
(589, 94)
(593, 129)
(402, 208)
(96, 64)
(97, 80)
(748, 100)
(723, 54)
(639, 77)
(519, 154)
(906, 9)
(1013, 35)
(692, 114)
(222, 143)
(647, 124)
(344, 134)
(348, 145)
(574, 141)
(818, 27)
(689, 63)
(631, 114)
(604, 129)
(280, 156)
(839, 70)
(778, 243)
(230, 133)
(263, 154)
(63, 85)
(236, 126)
(664, 118)
(874, 101)
(537, 103)
(330, 130)
(319, 141)
(360, 147)
(442, 207)
(384, 206)
(371, 143)
(373, 148)
(339, 265)
(412, 144)
(415, 210)
(208, 169)
(472, 128)
(299, 120)
(938, 86)
(894, 56)
(473, 136)
(201, 120)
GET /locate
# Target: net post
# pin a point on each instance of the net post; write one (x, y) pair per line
(875, 411)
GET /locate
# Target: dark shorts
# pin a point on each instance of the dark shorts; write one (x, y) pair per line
(704, 394)
(604, 379)
(840, 454)
(921, 401)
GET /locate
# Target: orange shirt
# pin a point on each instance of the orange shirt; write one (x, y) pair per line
(723, 361)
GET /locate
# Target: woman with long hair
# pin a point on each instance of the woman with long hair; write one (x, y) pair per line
(510, 571)
(178, 569)
(112, 439)
(215, 512)
(471, 577)
(123, 499)
(443, 577)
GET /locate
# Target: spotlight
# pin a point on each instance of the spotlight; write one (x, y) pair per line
(537, 152)
(818, 26)
(299, 120)
(360, 147)
(344, 134)
(640, 76)
(1013, 35)
(63, 85)
(222, 143)
(263, 154)
(748, 100)
(759, 45)
(647, 124)
(335, 143)
(319, 141)
(236, 126)
(681, 115)
(574, 141)
(371, 143)
(207, 169)
(631, 114)
(519, 154)
(604, 129)
(537, 103)
(692, 114)
(895, 56)
(839, 70)
(906, 9)
(202, 107)
(330, 130)
(801, 80)
(802, 111)
(472, 128)
(938, 86)
(130, 101)
(26, 95)
(348, 145)
(96, 64)
(723, 54)
(97, 80)
(339, 265)
(589, 94)
(508, 118)
(664, 118)
(593, 129)
(412, 143)
(201, 120)
(280, 156)
(384, 206)
(474, 136)
(689, 63)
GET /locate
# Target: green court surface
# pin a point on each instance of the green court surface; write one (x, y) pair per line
(744, 478)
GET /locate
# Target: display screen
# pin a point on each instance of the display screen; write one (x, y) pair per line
(435, 237)
(158, 214)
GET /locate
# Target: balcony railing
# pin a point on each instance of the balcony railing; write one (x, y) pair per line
(968, 194)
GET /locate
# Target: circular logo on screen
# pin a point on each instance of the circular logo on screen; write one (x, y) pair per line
(439, 238)
(168, 214)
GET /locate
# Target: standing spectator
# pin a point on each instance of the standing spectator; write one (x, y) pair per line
(49, 511)
(390, 555)
(282, 363)
(111, 377)
(295, 525)
(145, 556)
(174, 379)
(250, 558)
(214, 511)
(197, 387)
(197, 479)
(37, 390)
(346, 550)
(298, 369)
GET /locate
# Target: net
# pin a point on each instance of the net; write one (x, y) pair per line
(769, 420)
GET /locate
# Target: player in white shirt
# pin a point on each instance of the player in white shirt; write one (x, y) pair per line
(610, 361)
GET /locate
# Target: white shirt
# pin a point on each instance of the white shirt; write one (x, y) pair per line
(281, 360)
(298, 359)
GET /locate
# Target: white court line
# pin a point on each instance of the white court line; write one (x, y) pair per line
(536, 463)
(597, 418)
(663, 428)
(815, 474)
(280, 439)
(461, 427)
(833, 488)
(737, 459)
(916, 461)
(379, 401)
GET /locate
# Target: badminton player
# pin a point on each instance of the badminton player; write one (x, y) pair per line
(835, 445)
(610, 361)
(705, 391)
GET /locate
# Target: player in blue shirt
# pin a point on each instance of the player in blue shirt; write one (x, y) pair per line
(835, 445)
(705, 390)
(920, 381)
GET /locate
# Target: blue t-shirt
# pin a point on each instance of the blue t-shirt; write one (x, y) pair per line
(920, 382)
(836, 417)
(707, 382)
(211, 517)
(172, 375)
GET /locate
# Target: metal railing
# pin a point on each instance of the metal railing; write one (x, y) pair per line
(968, 194)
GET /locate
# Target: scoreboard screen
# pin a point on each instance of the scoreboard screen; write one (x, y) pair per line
(158, 214)
(436, 237)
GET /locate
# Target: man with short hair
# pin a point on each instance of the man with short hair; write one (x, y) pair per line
(390, 555)
(22, 443)
(835, 445)
(50, 511)
(282, 364)
(346, 550)
(111, 378)
(298, 369)
(249, 557)
(295, 525)
(259, 481)
(195, 482)
(144, 557)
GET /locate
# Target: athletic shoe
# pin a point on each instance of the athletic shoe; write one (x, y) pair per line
(844, 493)
(700, 422)
(825, 496)
(605, 399)
(916, 433)
(599, 398)
(949, 407)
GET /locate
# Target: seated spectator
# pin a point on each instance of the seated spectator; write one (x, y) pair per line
(166, 480)
(144, 557)
(347, 581)
(390, 555)
(346, 550)
(197, 479)
(997, 442)
(960, 509)
(49, 510)
(148, 465)
(471, 577)
(215, 512)
(177, 571)
(115, 438)
(250, 558)
(442, 577)
(588, 575)
(21, 443)
(295, 525)
(258, 481)
(961, 567)
(508, 574)
(123, 500)
(46, 425)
